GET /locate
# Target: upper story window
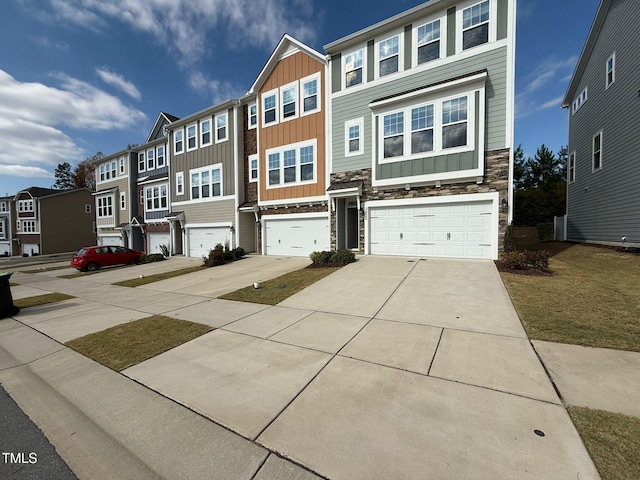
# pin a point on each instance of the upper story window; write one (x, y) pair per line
(122, 165)
(611, 70)
(123, 200)
(579, 101)
(192, 140)
(29, 226)
(156, 198)
(389, 56)
(288, 100)
(310, 92)
(2, 234)
(353, 137)
(292, 164)
(108, 171)
(178, 141)
(180, 183)
(206, 183)
(571, 171)
(3, 207)
(253, 116)
(454, 122)
(160, 158)
(151, 159)
(25, 205)
(105, 207)
(270, 107)
(475, 25)
(205, 132)
(354, 73)
(222, 132)
(428, 42)
(597, 151)
(141, 163)
(253, 168)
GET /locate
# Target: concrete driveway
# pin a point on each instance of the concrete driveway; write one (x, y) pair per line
(389, 368)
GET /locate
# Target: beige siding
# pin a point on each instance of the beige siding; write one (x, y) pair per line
(247, 237)
(208, 212)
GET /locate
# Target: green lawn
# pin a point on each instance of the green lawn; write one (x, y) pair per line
(136, 282)
(128, 344)
(46, 269)
(279, 289)
(41, 300)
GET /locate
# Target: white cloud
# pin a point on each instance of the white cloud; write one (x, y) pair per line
(32, 116)
(554, 103)
(547, 71)
(218, 91)
(118, 81)
(186, 25)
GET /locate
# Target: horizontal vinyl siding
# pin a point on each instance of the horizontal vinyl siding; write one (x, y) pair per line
(605, 205)
(209, 212)
(356, 105)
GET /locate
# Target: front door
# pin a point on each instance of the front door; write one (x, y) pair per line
(352, 228)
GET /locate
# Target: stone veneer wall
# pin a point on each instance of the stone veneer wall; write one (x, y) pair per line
(287, 211)
(496, 179)
(250, 144)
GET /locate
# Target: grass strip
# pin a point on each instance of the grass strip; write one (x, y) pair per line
(612, 439)
(41, 300)
(46, 269)
(274, 291)
(131, 343)
(156, 277)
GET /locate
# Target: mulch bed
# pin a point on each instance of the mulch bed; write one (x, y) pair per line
(531, 272)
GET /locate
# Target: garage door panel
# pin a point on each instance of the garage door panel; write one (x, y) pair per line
(202, 240)
(297, 236)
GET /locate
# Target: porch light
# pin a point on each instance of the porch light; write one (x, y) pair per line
(505, 205)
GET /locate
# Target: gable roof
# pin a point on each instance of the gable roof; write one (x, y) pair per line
(157, 130)
(594, 33)
(287, 46)
(39, 192)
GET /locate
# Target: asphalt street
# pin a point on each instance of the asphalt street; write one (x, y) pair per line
(25, 453)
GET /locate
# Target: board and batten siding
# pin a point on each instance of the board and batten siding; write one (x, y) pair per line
(604, 205)
(209, 212)
(354, 105)
(306, 127)
(214, 154)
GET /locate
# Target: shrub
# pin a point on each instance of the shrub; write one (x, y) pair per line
(334, 258)
(526, 260)
(238, 253)
(221, 255)
(509, 241)
(545, 231)
(142, 258)
(154, 257)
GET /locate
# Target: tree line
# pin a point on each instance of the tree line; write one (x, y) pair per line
(82, 176)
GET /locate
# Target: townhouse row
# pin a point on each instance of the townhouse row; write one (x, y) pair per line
(397, 140)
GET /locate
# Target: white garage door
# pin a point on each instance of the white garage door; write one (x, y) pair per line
(296, 237)
(110, 240)
(202, 240)
(460, 230)
(30, 248)
(156, 239)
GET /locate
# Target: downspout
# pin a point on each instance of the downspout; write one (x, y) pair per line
(41, 246)
(236, 169)
(169, 195)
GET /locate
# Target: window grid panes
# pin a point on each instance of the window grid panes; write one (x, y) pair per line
(289, 102)
(597, 151)
(150, 159)
(454, 122)
(160, 157)
(310, 95)
(429, 42)
(393, 135)
(422, 123)
(191, 137)
(289, 166)
(388, 53)
(221, 128)
(270, 109)
(353, 68)
(274, 168)
(253, 115)
(475, 25)
(178, 141)
(205, 132)
(354, 138)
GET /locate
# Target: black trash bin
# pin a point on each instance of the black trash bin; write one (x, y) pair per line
(7, 308)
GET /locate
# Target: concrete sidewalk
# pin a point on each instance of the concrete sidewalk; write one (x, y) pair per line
(389, 368)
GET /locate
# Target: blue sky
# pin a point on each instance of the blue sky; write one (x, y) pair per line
(81, 76)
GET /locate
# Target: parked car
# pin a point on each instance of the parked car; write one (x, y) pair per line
(93, 258)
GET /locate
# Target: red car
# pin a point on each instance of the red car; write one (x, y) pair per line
(92, 258)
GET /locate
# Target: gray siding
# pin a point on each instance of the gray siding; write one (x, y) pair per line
(604, 205)
(451, 31)
(209, 212)
(247, 232)
(355, 105)
(203, 156)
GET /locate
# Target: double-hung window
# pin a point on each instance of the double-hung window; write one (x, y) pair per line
(291, 164)
(105, 207)
(611, 70)
(310, 94)
(156, 197)
(597, 151)
(205, 132)
(180, 183)
(192, 137)
(422, 129)
(2, 234)
(353, 137)
(475, 25)
(253, 168)
(354, 68)
(393, 135)
(3, 207)
(178, 141)
(428, 47)
(206, 183)
(572, 167)
(151, 159)
(121, 161)
(29, 226)
(389, 56)
(123, 200)
(288, 100)
(160, 156)
(270, 107)
(103, 173)
(253, 116)
(222, 132)
(141, 163)
(25, 205)
(454, 122)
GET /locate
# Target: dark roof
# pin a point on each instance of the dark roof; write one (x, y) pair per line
(39, 192)
(171, 118)
(345, 185)
(151, 178)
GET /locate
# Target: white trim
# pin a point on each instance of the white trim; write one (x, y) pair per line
(399, 34)
(290, 216)
(343, 69)
(199, 171)
(180, 191)
(608, 83)
(121, 166)
(175, 141)
(123, 201)
(203, 200)
(151, 189)
(151, 151)
(235, 236)
(599, 133)
(270, 93)
(189, 226)
(164, 155)
(142, 161)
(281, 168)
(463, 198)
(249, 168)
(289, 86)
(249, 126)
(310, 78)
(442, 17)
(202, 132)
(571, 178)
(359, 122)
(224, 115)
(294, 201)
(195, 136)
(493, 15)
